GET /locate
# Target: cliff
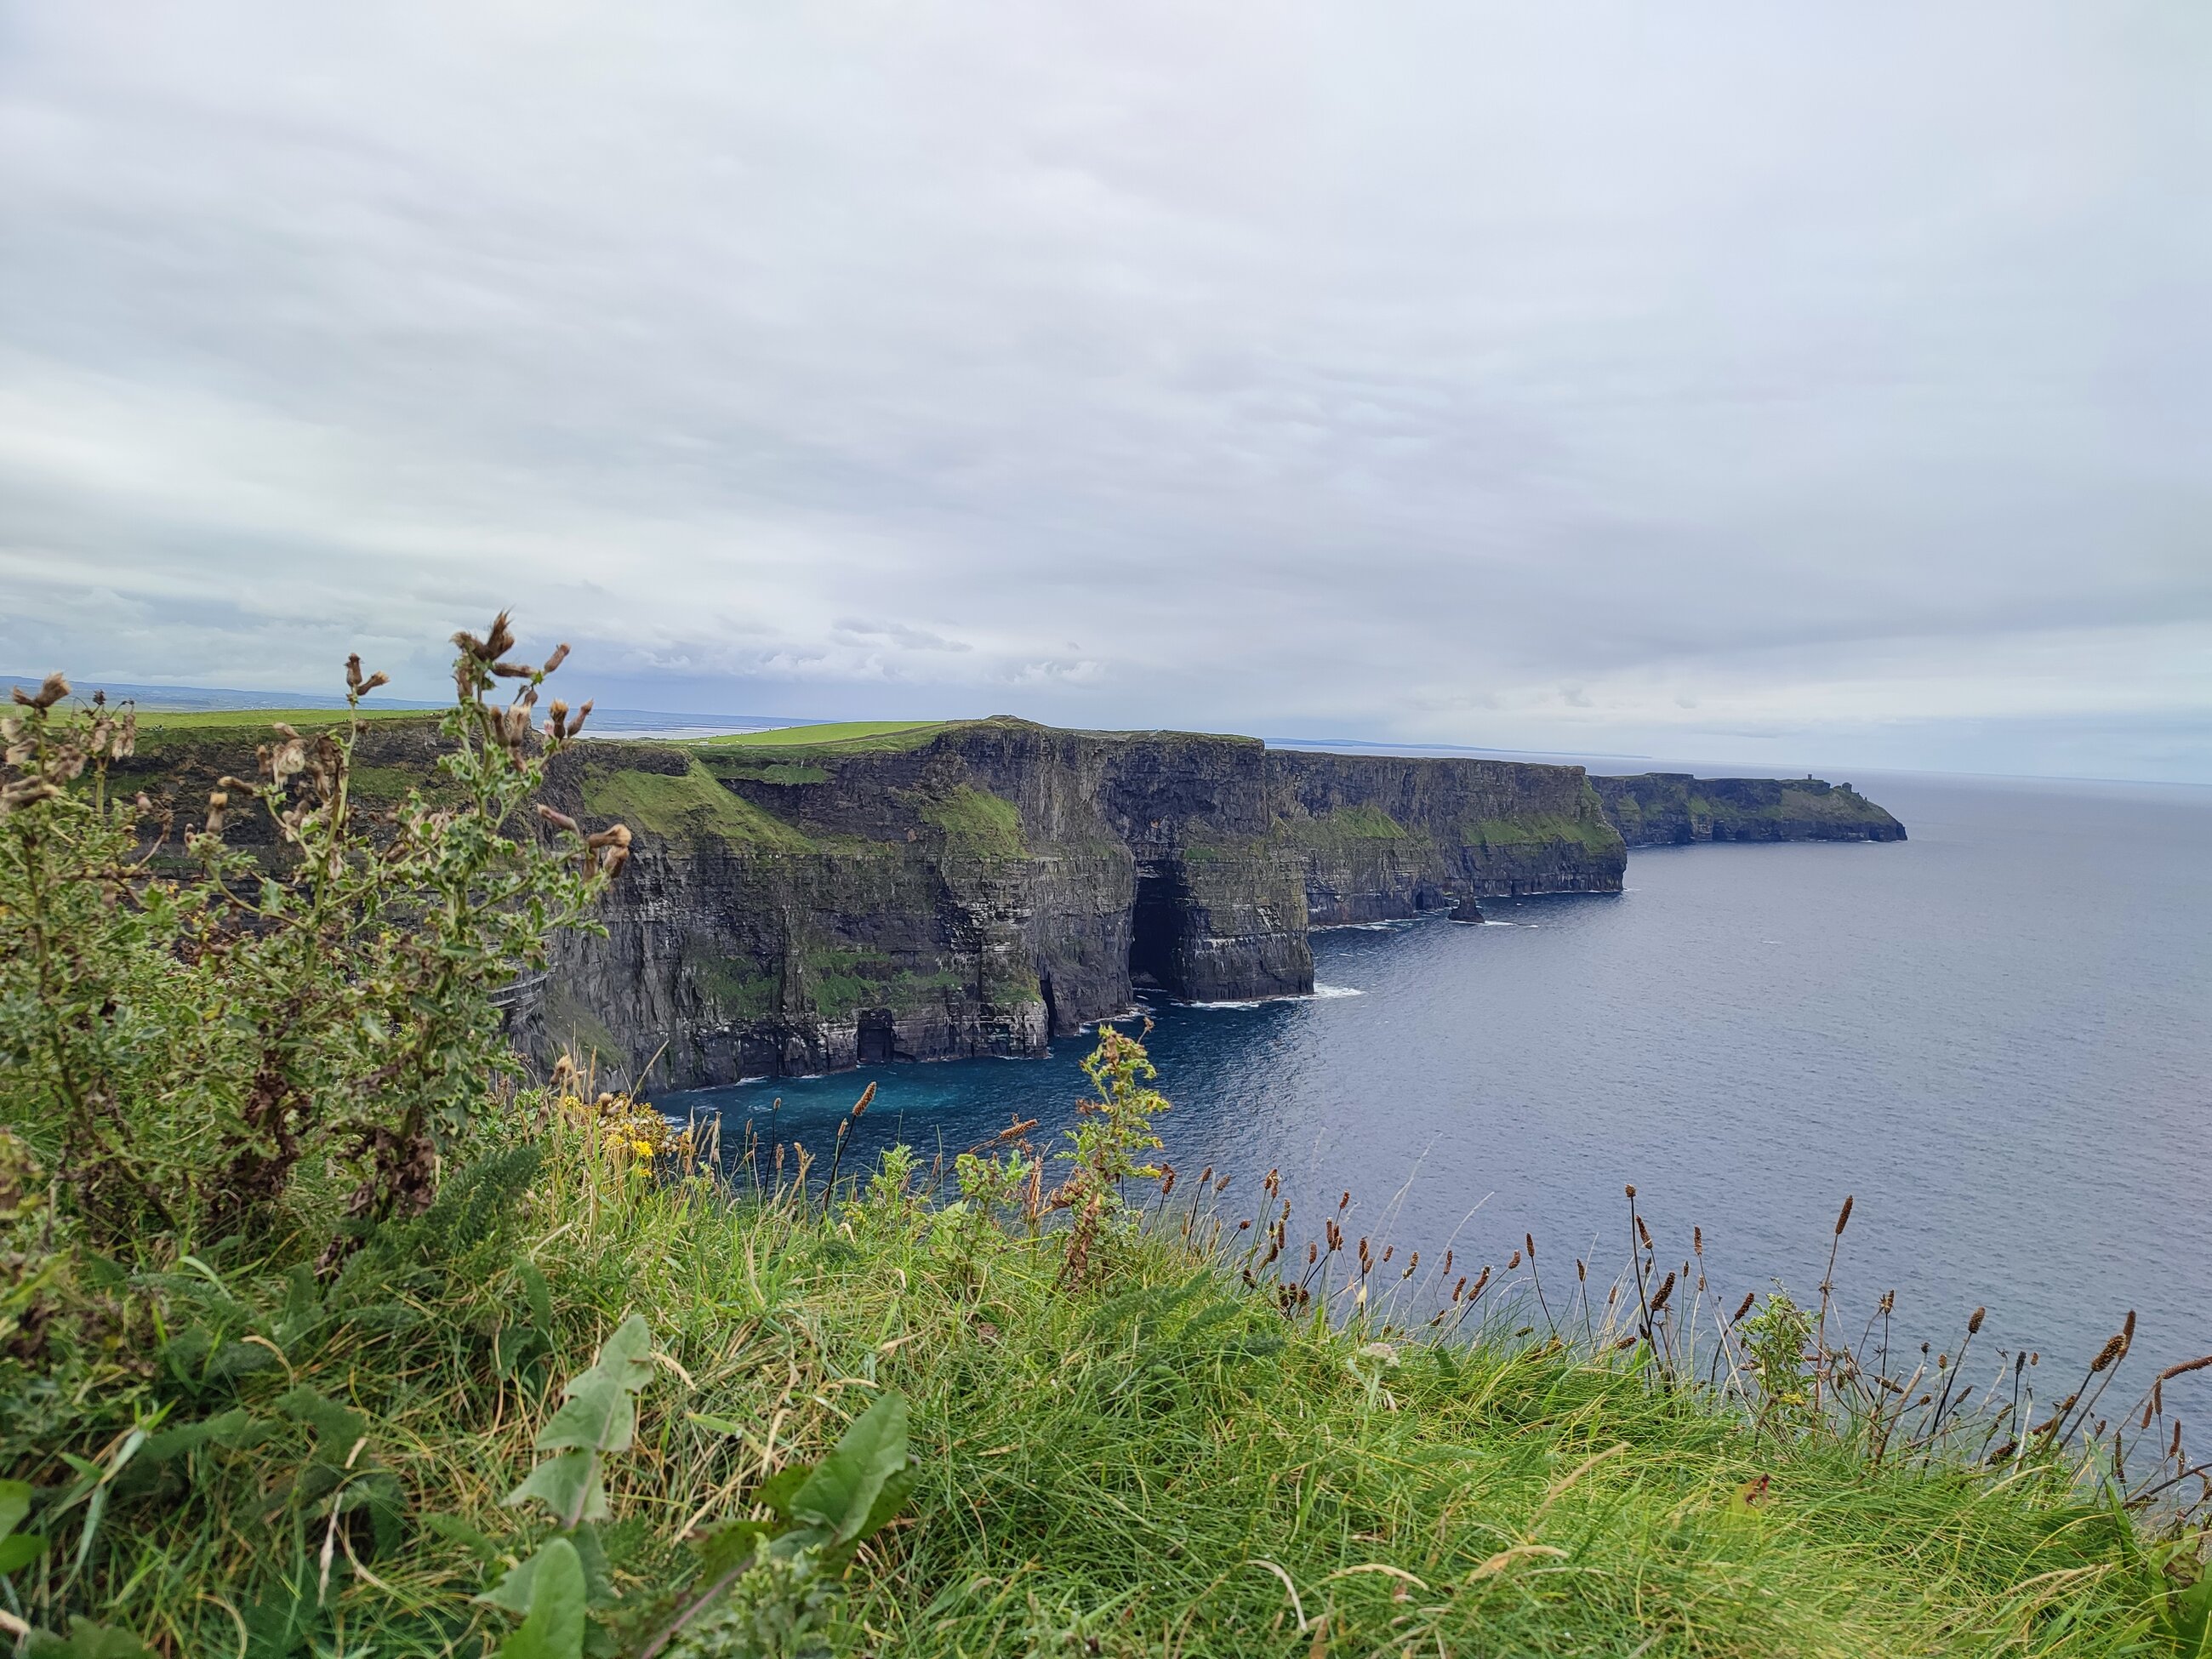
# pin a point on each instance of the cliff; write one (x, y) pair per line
(971, 888)
(1671, 808)
(978, 887)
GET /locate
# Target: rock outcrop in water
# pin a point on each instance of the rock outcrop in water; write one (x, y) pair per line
(978, 887)
(1673, 809)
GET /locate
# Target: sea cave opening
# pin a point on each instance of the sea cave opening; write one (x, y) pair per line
(877, 1041)
(1157, 921)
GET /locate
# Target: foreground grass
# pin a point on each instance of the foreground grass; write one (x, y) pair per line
(1135, 1467)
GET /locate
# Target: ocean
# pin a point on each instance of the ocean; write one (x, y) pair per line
(1995, 1037)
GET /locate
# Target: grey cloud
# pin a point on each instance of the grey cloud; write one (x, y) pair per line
(1390, 371)
(913, 639)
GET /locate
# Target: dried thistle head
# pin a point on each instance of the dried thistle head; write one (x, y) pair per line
(359, 684)
(50, 692)
(615, 853)
(1844, 1216)
(26, 791)
(1974, 1321)
(560, 655)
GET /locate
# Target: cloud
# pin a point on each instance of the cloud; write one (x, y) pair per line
(913, 639)
(1394, 373)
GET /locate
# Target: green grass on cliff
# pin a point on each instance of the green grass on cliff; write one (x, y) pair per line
(1156, 1464)
(848, 735)
(213, 720)
(1840, 805)
(1595, 835)
(686, 804)
(1343, 826)
(977, 822)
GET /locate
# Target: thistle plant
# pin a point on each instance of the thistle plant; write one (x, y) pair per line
(194, 1043)
(1112, 1134)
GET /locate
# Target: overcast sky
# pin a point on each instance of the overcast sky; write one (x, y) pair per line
(1823, 383)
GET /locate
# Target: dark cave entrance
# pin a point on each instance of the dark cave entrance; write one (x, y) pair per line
(1051, 1005)
(877, 1037)
(1157, 921)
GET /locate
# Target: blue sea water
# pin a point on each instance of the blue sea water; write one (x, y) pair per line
(1997, 1037)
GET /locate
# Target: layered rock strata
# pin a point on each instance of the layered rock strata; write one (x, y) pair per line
(981, 887)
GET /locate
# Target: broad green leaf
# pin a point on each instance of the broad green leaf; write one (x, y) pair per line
(514, 1591)
(18, 1550)
(235, 1427)
(87, 1640)
(569, 1485)
(2190, 1616)
(540, 1295)
(896, 1489)
(337, 1428)
(514, 1344)
(776, 1491)
(625, 1359)
(15, 1505)
(303, 1298)
(728, 1546)
(598, 1415)
(555, 1628)
(842, 1492)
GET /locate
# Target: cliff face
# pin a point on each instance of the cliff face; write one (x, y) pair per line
(977, 888)
(1383, 837)
(1669, 809)
(980, 887)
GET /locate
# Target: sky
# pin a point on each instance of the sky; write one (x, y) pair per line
(1827, 384)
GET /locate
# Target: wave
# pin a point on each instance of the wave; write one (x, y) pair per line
(1319, 993)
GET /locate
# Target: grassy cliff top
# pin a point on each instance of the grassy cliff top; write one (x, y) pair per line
(848, 735)
(261, 720)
